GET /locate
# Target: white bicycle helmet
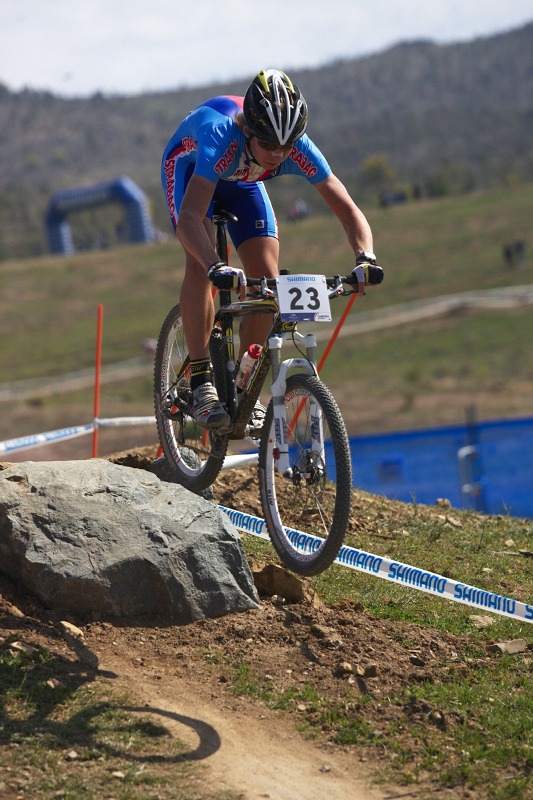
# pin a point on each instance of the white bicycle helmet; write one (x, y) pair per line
(274, 108)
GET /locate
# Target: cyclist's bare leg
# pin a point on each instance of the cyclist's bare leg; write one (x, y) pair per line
(196, 304)
(259, 257)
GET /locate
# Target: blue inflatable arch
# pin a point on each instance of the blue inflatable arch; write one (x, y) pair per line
(122, 190)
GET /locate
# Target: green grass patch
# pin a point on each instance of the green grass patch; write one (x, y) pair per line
(48, 305)
(483, 551)
(66, 733)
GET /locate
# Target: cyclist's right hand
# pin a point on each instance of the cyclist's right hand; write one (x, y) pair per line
(369, 274)
(225, 277)
(366, 271)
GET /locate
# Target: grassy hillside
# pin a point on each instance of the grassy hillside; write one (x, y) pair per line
(423, 374)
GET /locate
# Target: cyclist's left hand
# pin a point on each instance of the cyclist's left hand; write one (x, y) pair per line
(367, 272)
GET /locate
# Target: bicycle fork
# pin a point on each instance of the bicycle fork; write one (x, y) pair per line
(284, 427)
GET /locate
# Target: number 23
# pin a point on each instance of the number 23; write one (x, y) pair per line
(313, 302)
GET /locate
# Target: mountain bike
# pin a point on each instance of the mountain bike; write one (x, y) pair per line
(305, 469)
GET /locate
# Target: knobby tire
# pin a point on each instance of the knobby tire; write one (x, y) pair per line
(312, 504)
(194, 457)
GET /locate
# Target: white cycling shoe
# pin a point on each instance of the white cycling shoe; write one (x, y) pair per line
(207, 410)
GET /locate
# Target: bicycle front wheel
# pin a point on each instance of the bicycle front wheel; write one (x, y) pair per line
(307, 510)
(194, 455)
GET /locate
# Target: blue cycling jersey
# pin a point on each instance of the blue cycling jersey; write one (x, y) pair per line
(210, 138)
(210, 143)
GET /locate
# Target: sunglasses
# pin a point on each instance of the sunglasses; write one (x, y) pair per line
(270, 146)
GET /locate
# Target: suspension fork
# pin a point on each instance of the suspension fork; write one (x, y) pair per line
(282, 426)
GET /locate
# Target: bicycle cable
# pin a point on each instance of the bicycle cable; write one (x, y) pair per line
(298, 348)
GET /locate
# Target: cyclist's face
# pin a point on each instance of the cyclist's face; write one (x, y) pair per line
(268, 155)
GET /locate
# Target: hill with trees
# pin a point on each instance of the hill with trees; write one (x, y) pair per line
(441, 118)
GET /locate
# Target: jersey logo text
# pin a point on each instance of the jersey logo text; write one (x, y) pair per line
(305, 164)
(222, 165)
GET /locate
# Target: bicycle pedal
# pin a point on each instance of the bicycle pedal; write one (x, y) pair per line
(253, 431)
(218, 445)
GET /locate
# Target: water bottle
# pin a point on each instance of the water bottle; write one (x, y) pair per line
(247, 364)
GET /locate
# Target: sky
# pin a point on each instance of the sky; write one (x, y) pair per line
(75, 48)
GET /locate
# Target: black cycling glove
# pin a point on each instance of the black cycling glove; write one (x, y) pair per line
(225, 277)
(366, 270)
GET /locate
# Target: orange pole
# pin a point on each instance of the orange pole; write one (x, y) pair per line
(336, 332)
(98, 368)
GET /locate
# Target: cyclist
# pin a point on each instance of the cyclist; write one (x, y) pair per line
(224, 150)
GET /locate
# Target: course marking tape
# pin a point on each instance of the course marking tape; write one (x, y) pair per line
(119, 421)
(49, 437)
(394, 571)
(244, 460)
(39, 439)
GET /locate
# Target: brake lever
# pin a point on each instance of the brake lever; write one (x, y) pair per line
(264, 292)
(337, 290)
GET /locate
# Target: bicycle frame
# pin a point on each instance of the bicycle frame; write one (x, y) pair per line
(270, 359)
(240, 409)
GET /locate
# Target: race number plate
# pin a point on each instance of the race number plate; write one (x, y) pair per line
(303, 297)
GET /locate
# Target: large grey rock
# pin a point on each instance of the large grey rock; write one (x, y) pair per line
(101, 539)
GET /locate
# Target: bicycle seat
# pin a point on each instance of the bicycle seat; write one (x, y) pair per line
(222, 215)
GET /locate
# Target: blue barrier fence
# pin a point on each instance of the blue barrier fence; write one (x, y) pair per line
(485, 466)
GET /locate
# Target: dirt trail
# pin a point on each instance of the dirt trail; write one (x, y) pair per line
(172, 673)
(248, 749)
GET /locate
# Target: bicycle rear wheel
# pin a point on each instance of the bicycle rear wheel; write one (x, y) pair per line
(194, 455)
(311, 508)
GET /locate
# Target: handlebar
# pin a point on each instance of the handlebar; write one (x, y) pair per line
(335, 283)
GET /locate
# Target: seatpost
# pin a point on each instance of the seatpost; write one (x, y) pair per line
(221, 239)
